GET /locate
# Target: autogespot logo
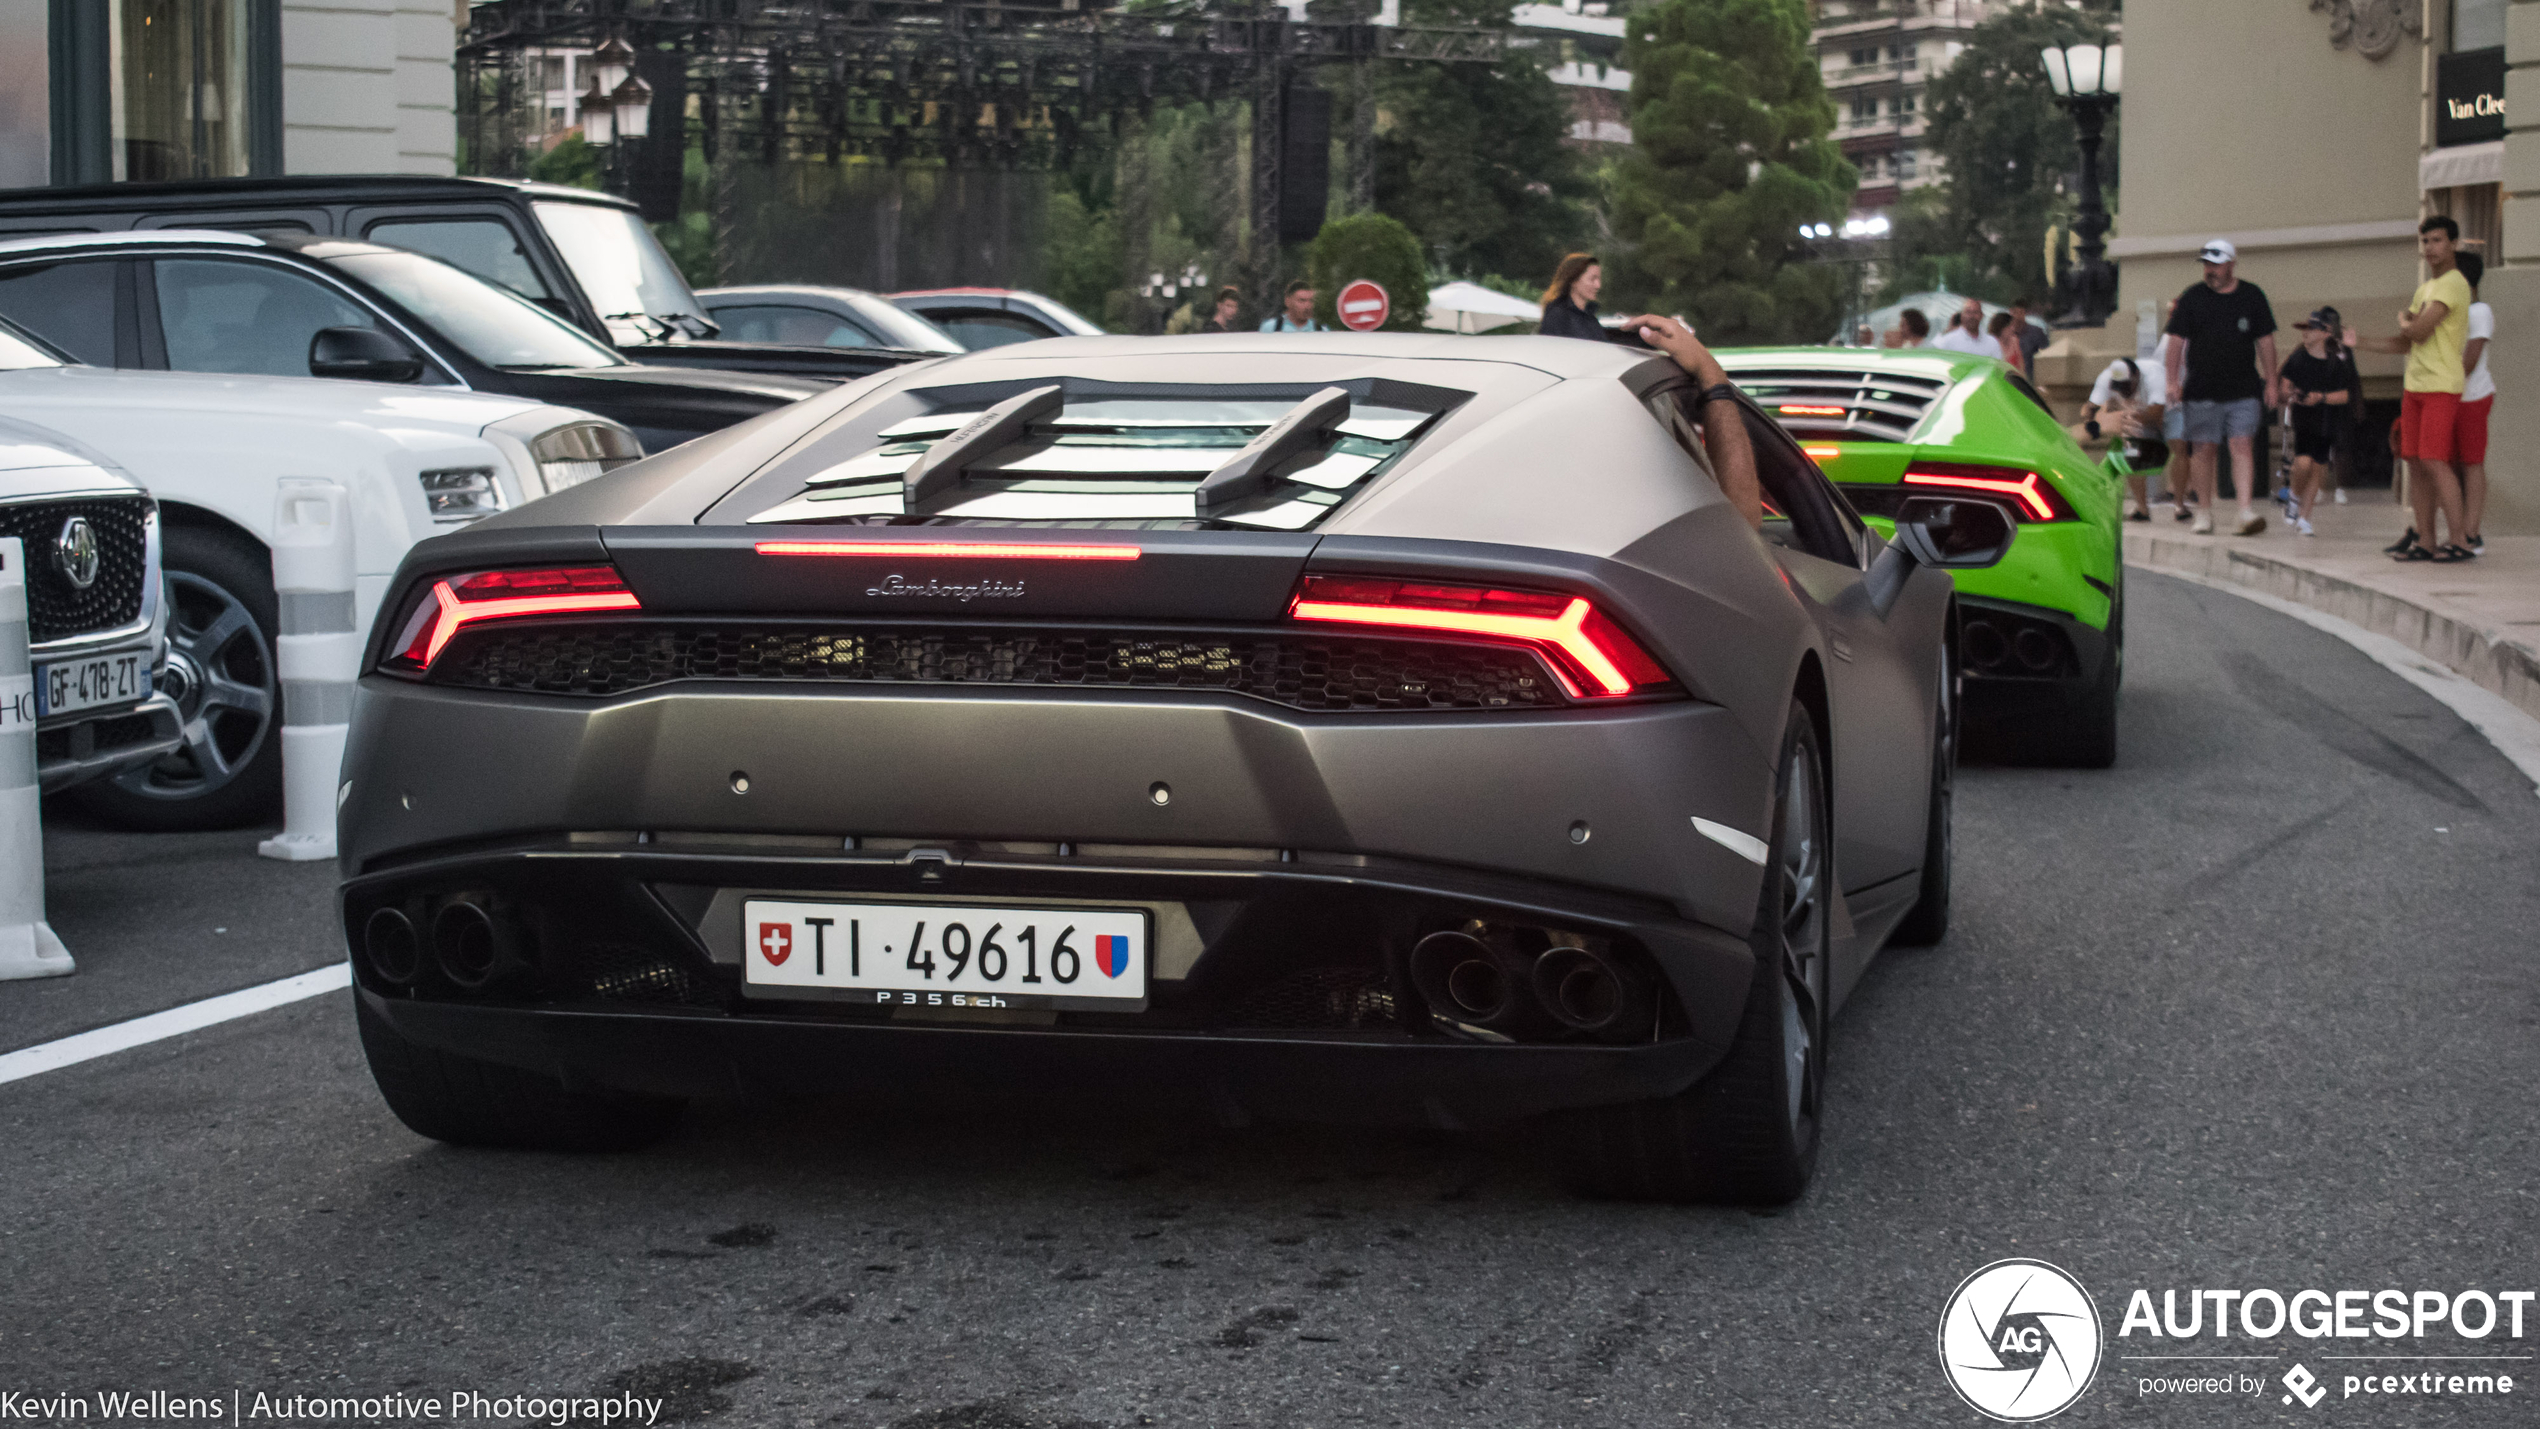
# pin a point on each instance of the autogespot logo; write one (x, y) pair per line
(2020, 1340)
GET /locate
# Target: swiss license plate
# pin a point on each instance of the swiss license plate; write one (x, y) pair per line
(945, 955)
(67, 685)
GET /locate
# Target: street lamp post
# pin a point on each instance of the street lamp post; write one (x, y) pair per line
(2086, 80)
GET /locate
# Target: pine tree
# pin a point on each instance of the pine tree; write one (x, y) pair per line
(1729, 158)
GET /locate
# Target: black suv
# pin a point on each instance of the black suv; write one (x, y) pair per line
(295, 305)
(585, 256)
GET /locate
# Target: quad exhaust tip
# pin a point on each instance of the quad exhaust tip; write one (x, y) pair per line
(1485, 978)
(393, 946)
(466, 944)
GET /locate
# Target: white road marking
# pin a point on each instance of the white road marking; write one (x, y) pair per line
(2515, 734)
(175, 1022)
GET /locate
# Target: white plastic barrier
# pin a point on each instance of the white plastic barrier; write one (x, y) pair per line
(320, 650)
(27, 945)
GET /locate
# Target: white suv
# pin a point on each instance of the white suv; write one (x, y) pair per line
(414, 462)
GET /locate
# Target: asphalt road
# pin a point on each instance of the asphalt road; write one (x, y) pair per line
(2256, 1008)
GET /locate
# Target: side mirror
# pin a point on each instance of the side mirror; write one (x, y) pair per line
(1948, 533)
(1954, 533)
(362, 354)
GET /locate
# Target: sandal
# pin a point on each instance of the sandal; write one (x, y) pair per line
(2406, 543)
(2452, 554)
(2414, 553)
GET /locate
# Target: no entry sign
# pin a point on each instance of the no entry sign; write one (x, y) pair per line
(1363, 306)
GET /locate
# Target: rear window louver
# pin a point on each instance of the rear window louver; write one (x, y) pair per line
(1273, 463)
(1839, 404)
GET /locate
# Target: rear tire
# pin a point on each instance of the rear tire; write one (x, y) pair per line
(2087, 736)
(1747, 1133)
(1928, 922)
(467, 1102)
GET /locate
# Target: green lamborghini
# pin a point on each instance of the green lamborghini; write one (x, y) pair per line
(2041, 636)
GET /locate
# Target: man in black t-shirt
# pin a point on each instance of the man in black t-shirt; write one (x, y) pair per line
(2222, 335)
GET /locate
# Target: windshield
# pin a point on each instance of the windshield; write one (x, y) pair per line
(493, 325)
(17, 352)
(902, 328)
(620, 266)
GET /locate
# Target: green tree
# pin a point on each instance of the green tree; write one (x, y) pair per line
(2007, 155)
(1370, 245)
(1729, 156)
(1472, 156)
(572, 161)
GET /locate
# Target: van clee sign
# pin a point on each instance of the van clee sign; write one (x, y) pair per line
(2469, 91)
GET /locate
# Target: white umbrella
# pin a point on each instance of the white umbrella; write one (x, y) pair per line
(1470, 307)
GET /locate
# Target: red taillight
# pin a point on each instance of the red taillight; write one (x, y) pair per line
(2026, 491)
(504, 595)
(978, 550)
(1592, 655)
(1792, 409)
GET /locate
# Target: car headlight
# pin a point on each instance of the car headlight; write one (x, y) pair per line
(461, 493)
(569, 456)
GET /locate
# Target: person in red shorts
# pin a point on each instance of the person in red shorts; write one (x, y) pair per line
(2432, 332)
(2478, 398)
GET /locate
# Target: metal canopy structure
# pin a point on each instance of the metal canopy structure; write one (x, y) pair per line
(959, 83)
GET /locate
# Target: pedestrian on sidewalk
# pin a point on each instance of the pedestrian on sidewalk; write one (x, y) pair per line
(1966, 333)
(2221, 335)
(2322, 392)
(2129, 402)
(2006, 343)
(2033, 338)
(1912, 330)
(1569, 304)
(1229, 314)
(2478, 400)
(1297, 313)
(2433, 332)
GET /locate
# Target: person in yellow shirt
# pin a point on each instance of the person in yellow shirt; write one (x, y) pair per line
(2432, 332)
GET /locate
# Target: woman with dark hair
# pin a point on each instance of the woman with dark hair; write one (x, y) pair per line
(1569, 304)
(1912, 330)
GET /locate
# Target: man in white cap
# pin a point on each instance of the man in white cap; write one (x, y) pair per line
(2222, 336)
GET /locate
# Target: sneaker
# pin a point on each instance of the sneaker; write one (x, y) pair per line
(2477, 545)
(2340, 494)
(2132, 511)
(2251, 524)
(2303, 525)
(2183, 513)
(2407, 542)
(2140, 515)
(2204, 525)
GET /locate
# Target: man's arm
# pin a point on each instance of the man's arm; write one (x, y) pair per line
(1723, 426)
(2414, 328)
(2267, 369)
(2471, 351)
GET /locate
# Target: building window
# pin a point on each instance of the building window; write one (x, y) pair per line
(1865, 108)
(1905, 163)
(1905, 104)
(1869, 56)
(2478, 24)
(179, 74)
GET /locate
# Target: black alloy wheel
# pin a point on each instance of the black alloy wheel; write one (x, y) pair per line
(222, 673)
(1928, 922)
(1747, 1133)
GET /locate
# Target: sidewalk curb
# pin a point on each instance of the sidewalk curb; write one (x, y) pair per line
(2487, 658)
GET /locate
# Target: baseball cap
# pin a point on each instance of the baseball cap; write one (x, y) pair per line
(2325, 319)
(2219, 251)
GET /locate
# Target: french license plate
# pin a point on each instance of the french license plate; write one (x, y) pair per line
(68, 685)
(947, 956)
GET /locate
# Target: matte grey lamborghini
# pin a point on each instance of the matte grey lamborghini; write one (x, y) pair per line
(1379, 727)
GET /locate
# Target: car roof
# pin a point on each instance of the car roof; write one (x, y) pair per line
(789, 290)
(134, 237)
(350, 186)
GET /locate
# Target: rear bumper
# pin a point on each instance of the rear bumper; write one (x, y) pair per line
(2025, 659)
(1382, 1082)
(624, 971)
